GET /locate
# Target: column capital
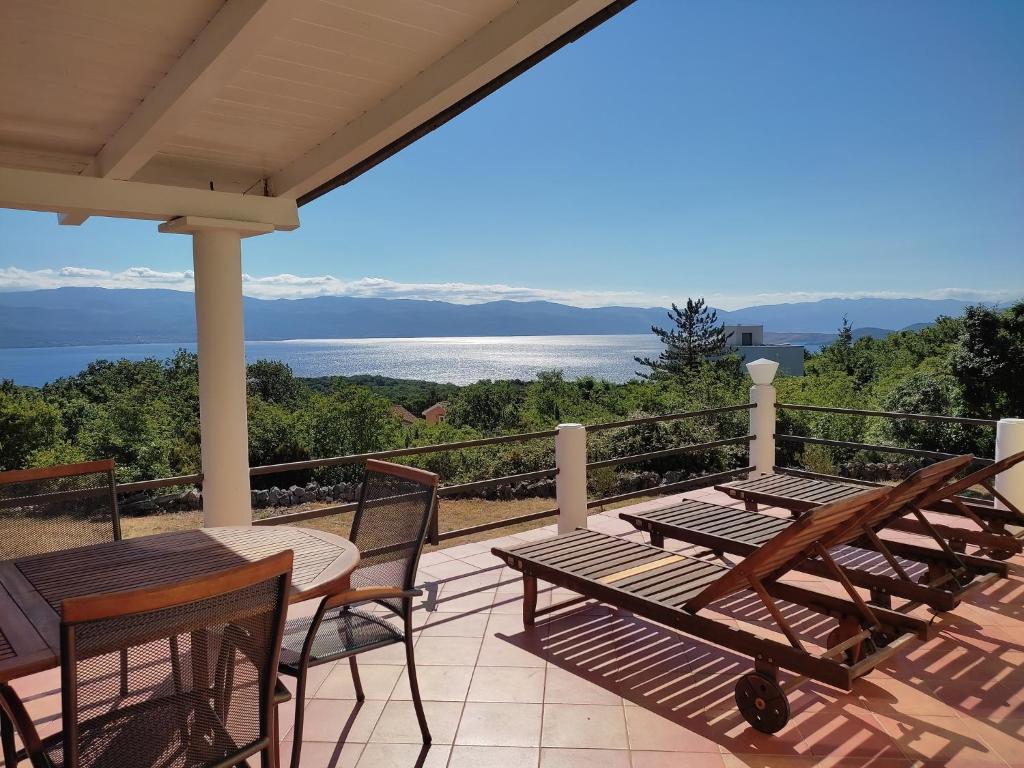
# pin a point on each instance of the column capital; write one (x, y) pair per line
(190, 225)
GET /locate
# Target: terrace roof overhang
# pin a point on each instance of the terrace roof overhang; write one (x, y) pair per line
(221, 117)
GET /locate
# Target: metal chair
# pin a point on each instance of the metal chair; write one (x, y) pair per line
(205, 689)
(390, 525)
(54, 508)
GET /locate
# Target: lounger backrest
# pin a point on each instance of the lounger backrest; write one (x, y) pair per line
(975, 478)
(910, 492)
(792, 545)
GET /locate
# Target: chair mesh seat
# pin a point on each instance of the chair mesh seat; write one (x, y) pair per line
(341, 632)
(171, 732)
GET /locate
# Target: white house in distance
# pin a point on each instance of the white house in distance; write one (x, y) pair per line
(747, 341)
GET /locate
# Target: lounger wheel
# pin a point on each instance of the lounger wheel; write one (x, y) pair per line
(1001, 554)
(762, 702)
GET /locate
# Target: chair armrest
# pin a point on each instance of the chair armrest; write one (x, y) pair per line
(367, 594)
(13, 707)
(281, 693)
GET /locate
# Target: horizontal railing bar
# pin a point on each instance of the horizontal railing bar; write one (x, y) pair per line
(164, 482)
(452, 490)
(889, 414)
(335, 461)
(497, 524)
(638, 457)
(669, 417)
(872, 447)
(309, 514)
(682, 485)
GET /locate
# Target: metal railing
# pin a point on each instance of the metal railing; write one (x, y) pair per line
(473, 487)
(873, 447)
(888, 414)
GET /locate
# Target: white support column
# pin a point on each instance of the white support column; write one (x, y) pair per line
(1010, 440)
(217, 258)
(762, 417)
(571, 480)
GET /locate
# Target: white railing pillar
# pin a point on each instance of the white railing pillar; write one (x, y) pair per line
(571, 480)
(220, 336)
(762, 416)
(1010, 440)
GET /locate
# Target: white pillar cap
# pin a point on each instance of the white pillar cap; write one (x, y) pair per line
(762, 370)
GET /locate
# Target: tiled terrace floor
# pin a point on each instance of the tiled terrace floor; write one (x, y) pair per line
(594, 687)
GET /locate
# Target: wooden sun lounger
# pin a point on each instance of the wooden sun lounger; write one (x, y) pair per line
(940, 578)
(673, 589)
(999, 532)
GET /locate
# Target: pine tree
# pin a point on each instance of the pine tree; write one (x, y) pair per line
(696, 337)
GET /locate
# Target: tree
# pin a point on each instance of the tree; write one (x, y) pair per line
(696, 338)
(988, 361)
(840, 352)
(28, 425)
(273, 382)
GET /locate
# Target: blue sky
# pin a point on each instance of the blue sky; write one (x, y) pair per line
(747, 151)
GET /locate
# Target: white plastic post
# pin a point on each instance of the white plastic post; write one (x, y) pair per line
(1010, 440)
(762, 416)
(223, 418)
(571, 480)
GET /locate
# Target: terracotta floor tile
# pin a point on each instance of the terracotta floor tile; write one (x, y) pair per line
(378, 681)
(650, 731)
(643, 759)
(497, 651)
(402, 756)
(454, 651)
(500, 725)
(565, 687)
(946, 740)
(445, 624)
(320, 754)
(584, 726)
(557, 757)
(466, 756)
(336, 720)
(437, 683)
(460, 600)
(517, 685)
(398, 725)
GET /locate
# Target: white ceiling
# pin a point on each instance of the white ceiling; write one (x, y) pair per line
(263, 96)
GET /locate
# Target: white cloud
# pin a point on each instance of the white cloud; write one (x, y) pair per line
(288, 286)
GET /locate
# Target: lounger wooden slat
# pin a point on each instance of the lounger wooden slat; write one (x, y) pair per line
(746, 530)
(674, 588)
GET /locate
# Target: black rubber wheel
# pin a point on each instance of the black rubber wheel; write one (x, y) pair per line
(1001, 554)
(762, 702)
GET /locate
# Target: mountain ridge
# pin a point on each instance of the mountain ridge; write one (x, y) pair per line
(95, 316)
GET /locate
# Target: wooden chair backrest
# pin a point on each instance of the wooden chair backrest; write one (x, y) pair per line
(792, 545)
(974, 478)
(909, 493)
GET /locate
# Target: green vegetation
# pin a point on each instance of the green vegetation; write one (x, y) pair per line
(146, 414)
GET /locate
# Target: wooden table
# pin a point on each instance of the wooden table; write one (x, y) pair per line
(32, 588)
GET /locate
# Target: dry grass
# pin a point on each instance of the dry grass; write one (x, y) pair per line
(455, 514)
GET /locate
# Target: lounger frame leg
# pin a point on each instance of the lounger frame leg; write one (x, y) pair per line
(657, 539)
(529, 600)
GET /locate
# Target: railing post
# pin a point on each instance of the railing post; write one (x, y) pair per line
(762, 416)
(571, 480)
(1010, 440)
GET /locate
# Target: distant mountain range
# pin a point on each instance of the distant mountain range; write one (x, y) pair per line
(91, 316)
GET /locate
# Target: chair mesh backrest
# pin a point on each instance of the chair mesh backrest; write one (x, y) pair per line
(57, 508)
(389, 528)
(200, 681)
